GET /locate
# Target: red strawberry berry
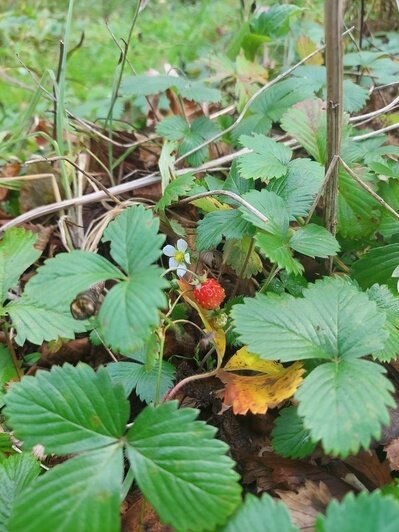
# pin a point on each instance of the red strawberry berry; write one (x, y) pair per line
(209, 294)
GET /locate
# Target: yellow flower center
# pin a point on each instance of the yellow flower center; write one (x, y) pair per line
(179, 257)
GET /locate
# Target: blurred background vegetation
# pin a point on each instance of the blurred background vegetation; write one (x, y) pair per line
(168, 31)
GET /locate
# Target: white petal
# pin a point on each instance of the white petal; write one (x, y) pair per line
(181, 272)
(169, 251)
(173, 263)
(187, 258)
(181, 245)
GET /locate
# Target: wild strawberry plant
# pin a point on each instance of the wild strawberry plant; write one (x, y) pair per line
(288, 335)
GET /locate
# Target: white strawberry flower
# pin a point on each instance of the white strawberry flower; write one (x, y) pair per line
(178, 256)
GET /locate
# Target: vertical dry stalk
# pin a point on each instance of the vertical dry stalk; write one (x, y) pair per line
(333, 24)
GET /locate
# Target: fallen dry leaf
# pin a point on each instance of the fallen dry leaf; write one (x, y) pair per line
(305, 503)
(368, 468)
(256, 394)
(392, 450)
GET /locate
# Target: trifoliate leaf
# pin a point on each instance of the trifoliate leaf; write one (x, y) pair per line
(130, 309)
(38, 324)
(80, 494)
(17, 253)
(333, 320)
(314, 241)
(306, 122)
(368, 512)
(176, 188)
(173, 127)
(299, 187)
(134, 375)
(200, 130)
(377, 266)
(135, 242)
(67, 410)
(272, 385)
(358, 213)
(277, 250)
(235, 255)
(344, 403)
(181, 469)
(59, 281)
(16, 474)
(261, 515)
(289, 437)
(269, 159)
(228, 223)
(271, 206)
(390, 305)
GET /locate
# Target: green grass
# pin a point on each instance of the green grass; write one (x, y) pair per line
(167, 31)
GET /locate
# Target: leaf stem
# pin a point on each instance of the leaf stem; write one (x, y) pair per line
(13, 354)
(272, 274)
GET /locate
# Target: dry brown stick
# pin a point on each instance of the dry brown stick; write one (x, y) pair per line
(330, 169)
(333, 24)
(366, 187)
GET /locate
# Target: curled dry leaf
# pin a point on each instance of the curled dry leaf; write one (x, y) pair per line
(273, 384)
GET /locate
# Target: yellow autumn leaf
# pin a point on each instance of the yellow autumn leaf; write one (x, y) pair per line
(305, 46)
(218, 335)
(273, 385)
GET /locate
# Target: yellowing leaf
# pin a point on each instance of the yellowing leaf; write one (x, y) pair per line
(218, 335)
(256, 394)
(305, 46)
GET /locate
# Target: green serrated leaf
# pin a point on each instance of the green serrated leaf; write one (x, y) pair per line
(358, 213)
(263, 514)
(174, 190)
(333, 320)
(235, 255)
(389, 303)
(306, 122)
(181, 469)
(60, 279)
(173, 127)
(353, 395)
(269, 159)
(17, 253)
(80, 494)
(228, 223)
(271, 206)
(67, 410)
(17, 472)
(277, 250)
(131, 309)
(37, 324)
(289, 437)
(299, 187)
(276, 20)
(198, 92)
(133, 375)
(368, 512)
(377, 266)
(135, 242)
(314, 241)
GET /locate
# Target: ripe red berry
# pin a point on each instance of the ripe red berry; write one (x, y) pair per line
(209, 294)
